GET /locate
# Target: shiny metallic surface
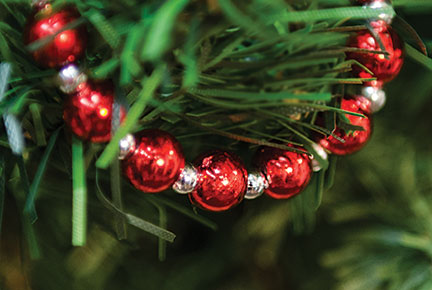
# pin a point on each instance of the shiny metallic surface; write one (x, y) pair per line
(156, 163)
(222, 181)
(126, 145)
(70, 77)
(322, 153)
(187, 180)
(377, 97)
(287, 172)
(353, 141)
(383, 68)
(63, 45)
(379, 4)
(88, 112)
(257, 183)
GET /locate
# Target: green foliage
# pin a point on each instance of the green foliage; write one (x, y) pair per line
(216, 74)
(228, 70)
(386, 237)
(79, 202)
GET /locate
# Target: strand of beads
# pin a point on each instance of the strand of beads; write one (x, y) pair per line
(88, 106)
(61, 40)
(153, 160)
(217, 181)
(382, 66)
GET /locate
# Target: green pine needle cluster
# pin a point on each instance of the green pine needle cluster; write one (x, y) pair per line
(216, 74)
(210, 73)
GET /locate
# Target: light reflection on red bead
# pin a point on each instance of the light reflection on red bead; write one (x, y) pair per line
(287, 172)
(357, 139)
(67, 46)
(88, 112)
(222, 181)
(103, 112)
(156, 162)
(383, 69)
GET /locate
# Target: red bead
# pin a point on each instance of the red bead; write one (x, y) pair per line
(68, 46)
(358, 104)
(287, 172)
(222, 181)
(88, 112)
(356, 140)
(383, 69)
(156, 162)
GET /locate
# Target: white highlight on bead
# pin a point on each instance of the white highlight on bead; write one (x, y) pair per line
(70, 77)
(126, 145)
(377, 97)
(187, 180)
(322, 153)
(256, 185)
(387, 18)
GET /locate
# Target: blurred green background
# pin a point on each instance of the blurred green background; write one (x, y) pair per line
(372, 231)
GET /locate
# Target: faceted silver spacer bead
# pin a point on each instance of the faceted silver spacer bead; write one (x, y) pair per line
(126, 145)
(322, 153)
(70, 77)
(187, 180)
(256, 185)
(377, 97)
(388, 18)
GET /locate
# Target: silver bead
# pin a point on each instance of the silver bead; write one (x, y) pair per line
(257, 183)
(126, 145)
(387, 18)
(187, 180)
(376, 96)
(322, 153)
(70, 77)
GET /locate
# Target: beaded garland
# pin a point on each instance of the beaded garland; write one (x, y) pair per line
(153, 160)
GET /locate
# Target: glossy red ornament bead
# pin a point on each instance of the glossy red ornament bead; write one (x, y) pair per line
(66, 47)
(156, 162)
(358, 104)
(88, 112)
(287, 172)
(356, 140)
(222, 181)
(383, 69)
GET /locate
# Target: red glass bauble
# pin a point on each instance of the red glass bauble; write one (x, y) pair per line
(287, 172)
(354, 141)
(359, 104)
(67, 46)
(384, 69)
(88, 112)
(222, 181)
(156, 162)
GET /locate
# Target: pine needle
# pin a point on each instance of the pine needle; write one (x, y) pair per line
(79, 202)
